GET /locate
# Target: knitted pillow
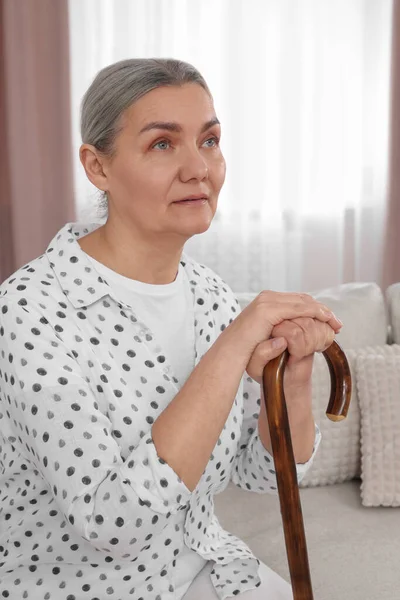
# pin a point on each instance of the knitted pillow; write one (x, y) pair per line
(338, 456)
(378, 382)
(393, 299)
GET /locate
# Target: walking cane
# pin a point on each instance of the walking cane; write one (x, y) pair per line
(285, 465)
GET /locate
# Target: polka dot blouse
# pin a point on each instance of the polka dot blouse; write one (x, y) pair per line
(88, 510)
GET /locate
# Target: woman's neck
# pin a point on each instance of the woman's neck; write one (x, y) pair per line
(120, 252)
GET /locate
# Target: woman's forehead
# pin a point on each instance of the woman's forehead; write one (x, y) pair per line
(186, 104)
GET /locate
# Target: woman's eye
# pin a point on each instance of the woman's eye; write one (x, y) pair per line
(162, 145)
(214, 142)
(211, 142)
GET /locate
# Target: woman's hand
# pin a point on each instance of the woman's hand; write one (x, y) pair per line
(302, 337)
(304, 324)
(272, 322)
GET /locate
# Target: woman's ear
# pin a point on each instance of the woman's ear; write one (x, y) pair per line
(93, 161)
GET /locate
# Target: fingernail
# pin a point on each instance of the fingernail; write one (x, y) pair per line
(278, 342)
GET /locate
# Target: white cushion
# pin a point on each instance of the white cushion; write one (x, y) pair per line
(361, 307)
(378, 382)
(393, 300)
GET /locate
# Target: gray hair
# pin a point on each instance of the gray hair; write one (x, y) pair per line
(116, 87)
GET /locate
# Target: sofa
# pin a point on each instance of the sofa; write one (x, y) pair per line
(351, 495)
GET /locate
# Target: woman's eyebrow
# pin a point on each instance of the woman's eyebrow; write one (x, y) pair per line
(170, 126)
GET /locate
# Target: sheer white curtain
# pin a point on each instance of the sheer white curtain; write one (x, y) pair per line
(301, 88)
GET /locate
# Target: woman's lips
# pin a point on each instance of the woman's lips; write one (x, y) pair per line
(196, 202)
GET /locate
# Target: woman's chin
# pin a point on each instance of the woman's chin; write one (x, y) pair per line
(194, 223)
(197, 226)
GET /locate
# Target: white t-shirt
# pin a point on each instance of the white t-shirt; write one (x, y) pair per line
(167, 309)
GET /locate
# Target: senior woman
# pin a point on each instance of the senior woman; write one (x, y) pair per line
(129, 378)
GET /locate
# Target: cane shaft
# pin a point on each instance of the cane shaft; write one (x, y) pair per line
(285, 465)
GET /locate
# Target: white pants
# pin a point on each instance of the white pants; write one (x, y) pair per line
(272, 587)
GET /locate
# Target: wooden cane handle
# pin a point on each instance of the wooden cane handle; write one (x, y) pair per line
(285, 465)
(339, 369)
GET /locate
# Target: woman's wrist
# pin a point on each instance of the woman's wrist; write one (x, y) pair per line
(297, 385)
(298, 373)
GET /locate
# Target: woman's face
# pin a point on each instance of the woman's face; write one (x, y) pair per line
(168, 150)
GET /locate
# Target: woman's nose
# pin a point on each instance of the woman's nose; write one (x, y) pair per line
(193, 165)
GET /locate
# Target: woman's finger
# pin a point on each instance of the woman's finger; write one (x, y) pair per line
(300, 339)
(304, 336)
(318, 336)
(264, 352)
